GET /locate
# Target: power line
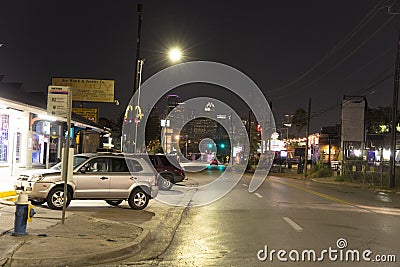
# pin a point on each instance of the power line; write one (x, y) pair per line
(343, 59)
(359, 92)
(363, 21)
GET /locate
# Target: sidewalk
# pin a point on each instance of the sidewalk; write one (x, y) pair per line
(375, 188)
(86, 239)
(332, 180)
(81, 241)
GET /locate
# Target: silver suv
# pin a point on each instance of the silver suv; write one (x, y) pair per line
(112, 177)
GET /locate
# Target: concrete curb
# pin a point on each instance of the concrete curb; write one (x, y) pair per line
(7, 202)
(162, 234)
(86, 259)
(7, 194)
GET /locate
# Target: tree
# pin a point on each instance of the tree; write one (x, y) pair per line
(299, 119)
(378, 120)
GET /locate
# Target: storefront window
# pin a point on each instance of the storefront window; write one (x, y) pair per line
(4, 120)
(37, 148)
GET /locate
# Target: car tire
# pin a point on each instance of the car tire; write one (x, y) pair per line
(37, 203)
(164, 182)
(114, 203)
(138, 199)
(55, 198)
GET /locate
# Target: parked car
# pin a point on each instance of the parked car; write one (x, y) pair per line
(169, 169)
(214, 162)
(107, 176)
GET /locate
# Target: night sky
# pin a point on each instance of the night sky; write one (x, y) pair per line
(292, 49)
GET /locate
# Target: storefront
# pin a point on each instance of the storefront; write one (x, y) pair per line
(31, 139)
(13, 138)
(47, 139)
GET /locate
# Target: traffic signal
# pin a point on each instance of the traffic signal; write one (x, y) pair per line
(222, 145)
(210, 145)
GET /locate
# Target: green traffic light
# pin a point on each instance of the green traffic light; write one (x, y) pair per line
(222, 145)
(210, 145)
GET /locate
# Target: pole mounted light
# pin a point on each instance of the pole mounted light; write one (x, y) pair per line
(175, 54)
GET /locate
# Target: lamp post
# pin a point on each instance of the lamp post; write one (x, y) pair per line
(174, 55)
(138, 110)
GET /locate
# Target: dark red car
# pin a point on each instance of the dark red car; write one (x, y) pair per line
(168, 168)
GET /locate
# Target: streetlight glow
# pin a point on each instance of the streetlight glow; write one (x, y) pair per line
(175, 54)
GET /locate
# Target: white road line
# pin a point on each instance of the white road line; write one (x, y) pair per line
(293, 224)
(257, 194)
(244, 185)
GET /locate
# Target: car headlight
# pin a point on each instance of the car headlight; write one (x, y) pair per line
(37, 177)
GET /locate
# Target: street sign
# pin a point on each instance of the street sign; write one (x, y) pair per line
(88, 90)
(57, 100)
(88, 113)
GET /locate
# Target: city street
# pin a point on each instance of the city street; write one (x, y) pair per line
(287, 222)
(285, 214)
(179, 133)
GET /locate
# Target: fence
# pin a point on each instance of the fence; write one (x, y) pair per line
(376, 173)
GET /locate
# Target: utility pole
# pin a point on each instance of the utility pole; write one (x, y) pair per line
(307, 133)
(392, 179)
(137, 62)
(131, 140)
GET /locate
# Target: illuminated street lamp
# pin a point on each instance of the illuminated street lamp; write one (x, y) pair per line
(175, 54)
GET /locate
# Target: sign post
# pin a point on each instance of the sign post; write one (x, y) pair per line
(59, 103)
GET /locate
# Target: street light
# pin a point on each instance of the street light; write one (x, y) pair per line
(175, 54)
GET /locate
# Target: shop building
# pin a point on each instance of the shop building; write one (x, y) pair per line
(29, 138)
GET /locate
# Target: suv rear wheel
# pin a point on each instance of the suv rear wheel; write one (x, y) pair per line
(164, 182)
(138, 199)
(55, 198)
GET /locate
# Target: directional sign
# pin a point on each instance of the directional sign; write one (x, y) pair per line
(57, 100)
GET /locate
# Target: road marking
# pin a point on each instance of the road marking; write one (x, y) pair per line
(317, 193)
(244, 185)
(257, 194)
(293, 224)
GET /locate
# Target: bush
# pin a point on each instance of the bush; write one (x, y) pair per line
(340, 178)
(320, 170)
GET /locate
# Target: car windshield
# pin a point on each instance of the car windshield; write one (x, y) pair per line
(77, 160)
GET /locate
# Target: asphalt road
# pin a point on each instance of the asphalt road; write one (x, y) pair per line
(283, 224)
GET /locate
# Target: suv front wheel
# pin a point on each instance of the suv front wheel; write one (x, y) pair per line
(55, 198)
(138, 199)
